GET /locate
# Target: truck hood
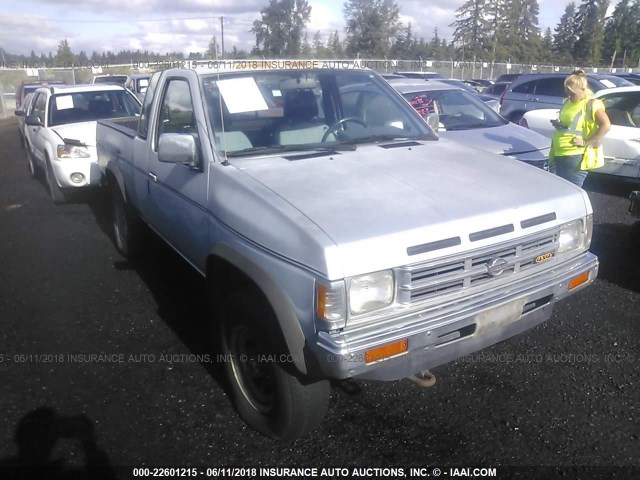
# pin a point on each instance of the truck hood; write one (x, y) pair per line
(84, 132)
(510, 139)
(379, 201)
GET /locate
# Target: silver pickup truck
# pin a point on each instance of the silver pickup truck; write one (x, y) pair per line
(339, 237)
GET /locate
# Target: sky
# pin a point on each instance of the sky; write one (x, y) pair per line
(188, 25)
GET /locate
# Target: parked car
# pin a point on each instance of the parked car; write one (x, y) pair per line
(546, 90)
(508, 77)
(478, 87)
(60, 132)
(496, 90)
(110, 78)
(483, 82)
(463, 118)
(339, 238)
(421, 75)
(29, 87)
(632, 77)
(138, 84)
(621, 144)
(20, 115)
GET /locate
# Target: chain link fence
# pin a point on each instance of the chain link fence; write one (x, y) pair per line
(12, 76)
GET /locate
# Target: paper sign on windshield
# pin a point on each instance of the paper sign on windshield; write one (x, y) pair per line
(64, 102)
(242, 95)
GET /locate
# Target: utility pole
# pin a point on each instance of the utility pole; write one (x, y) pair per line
(222, 34)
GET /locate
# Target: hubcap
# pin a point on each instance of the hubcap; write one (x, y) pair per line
(253, 369)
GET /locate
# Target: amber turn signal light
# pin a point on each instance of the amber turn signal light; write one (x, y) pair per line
(385, 351)
(578, 280)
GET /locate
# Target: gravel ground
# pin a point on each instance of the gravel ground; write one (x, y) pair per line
(563, 394)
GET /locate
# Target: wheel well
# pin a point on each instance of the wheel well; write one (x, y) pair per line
(224, 278)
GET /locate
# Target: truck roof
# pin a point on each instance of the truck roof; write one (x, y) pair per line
(56, 89)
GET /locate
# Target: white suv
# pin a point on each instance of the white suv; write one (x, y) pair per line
(60, 132)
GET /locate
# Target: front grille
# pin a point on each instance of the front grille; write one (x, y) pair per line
(483, 266)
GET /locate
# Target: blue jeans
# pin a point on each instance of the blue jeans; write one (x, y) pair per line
(568, 167)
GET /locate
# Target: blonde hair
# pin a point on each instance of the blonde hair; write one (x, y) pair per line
(577, 82)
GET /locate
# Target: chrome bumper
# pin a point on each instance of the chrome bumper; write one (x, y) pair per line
(502, 313)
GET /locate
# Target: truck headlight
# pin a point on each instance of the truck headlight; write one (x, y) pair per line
(371, 292)
(576, 235)
(72, 151)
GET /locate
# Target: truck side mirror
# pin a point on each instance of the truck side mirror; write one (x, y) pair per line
(20, 113)
(433, 120)
(178, 148)
(33, 120)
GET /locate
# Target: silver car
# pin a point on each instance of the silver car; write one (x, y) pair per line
(464, 118)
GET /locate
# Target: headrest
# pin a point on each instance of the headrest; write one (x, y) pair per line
(300, 105)
(299, 83)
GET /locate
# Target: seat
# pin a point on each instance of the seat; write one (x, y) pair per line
(620, 117)
(100, 108)
(300, 110)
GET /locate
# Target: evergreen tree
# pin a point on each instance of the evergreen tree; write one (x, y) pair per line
(471, 29)
(371, 26)
(590, 19)
(279, 33)
(565, 35)
(64, 56)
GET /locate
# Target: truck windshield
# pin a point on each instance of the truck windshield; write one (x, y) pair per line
(89, 106)
(258, 111)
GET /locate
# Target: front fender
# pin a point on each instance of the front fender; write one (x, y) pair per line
(278, 299)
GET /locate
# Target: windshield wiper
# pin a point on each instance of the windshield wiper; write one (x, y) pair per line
(290, 148)
(382, 138)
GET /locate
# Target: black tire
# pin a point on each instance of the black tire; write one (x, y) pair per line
(271, 400)
(57, 194)
(126, 224)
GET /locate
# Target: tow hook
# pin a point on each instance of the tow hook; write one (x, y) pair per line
(424, 379)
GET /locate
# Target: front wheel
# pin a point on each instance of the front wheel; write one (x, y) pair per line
(271, 400)
(56, 192)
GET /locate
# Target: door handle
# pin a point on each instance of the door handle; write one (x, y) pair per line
(153, 177)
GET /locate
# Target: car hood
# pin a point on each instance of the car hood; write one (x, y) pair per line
(511, 140)
(377, 202)
(85, 132)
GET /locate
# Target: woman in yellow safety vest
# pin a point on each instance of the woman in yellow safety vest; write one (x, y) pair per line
(582, 122)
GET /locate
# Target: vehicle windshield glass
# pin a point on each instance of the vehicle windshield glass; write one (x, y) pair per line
(90, 106)
(458, 110)
(302, 110)
(117, 79)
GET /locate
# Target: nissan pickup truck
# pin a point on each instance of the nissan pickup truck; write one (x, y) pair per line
(338, 235)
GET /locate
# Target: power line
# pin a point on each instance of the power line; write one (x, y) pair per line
(57, 20)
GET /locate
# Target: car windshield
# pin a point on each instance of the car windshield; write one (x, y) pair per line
(90, 106)
(458, 109)
(305, 110)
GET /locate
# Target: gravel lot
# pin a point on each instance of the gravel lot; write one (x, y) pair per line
(563, 394)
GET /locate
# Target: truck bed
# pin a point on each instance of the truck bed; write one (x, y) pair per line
(115, 140)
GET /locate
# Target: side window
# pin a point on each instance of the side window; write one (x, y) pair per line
(553, 87)
(39, 106)
(176, 111)
(143, 124)
(526, 87)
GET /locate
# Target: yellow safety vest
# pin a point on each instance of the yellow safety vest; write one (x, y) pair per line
(580, 121)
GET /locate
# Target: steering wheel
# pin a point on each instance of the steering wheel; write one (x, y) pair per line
(336, 126)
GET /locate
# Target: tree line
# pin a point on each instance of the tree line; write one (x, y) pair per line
(483, 30)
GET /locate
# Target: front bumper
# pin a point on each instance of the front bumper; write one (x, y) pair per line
(440, 338)
(87, 167)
